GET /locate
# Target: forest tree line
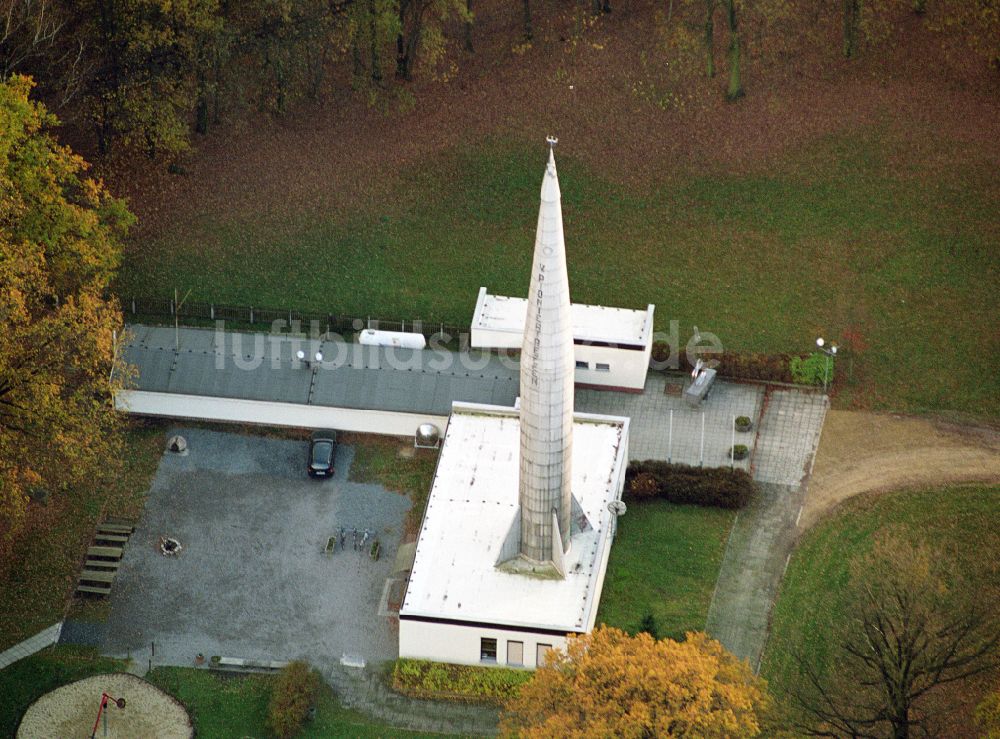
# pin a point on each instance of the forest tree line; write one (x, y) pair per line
(146, 74)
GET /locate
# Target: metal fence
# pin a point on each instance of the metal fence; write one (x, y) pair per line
(194, 312)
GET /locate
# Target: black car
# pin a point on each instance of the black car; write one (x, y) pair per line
(322, 451)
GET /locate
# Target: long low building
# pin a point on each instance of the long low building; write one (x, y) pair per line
(257, 378)
(612, 346)
(459, 605)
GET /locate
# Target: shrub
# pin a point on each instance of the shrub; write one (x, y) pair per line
(426, 679)
(680, 483)
(644, 485)
(735, 365)
(811, 369)
(740, 451)
(292, 696)
(743, 423)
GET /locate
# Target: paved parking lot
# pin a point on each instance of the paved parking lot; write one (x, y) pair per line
(252, 580)
(664, 426)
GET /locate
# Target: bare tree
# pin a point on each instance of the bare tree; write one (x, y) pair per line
(911, 631)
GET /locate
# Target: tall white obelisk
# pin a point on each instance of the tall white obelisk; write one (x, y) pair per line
(547, 370)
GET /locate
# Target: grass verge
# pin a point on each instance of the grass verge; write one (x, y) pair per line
(664, 563)
(23, 682)
(962, 522)
(38, 579)
(377, 460)
(236, 706)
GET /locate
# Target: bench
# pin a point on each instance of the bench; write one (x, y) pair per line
(110, 552)
(97, 576)
(95, 589)
(115, 528)
(237, 663)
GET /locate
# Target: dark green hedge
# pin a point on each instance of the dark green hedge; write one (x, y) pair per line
(737, 365)
(679, 483)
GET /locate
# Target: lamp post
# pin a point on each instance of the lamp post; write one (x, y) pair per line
(829, 351)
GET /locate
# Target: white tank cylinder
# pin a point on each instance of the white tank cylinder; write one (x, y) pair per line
(399, 339)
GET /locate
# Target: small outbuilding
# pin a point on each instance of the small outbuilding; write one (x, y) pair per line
(611, 346)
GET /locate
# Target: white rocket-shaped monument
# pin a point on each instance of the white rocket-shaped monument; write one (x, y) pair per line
(547, 366)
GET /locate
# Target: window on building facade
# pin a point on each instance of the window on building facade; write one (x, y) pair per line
(540, 651)
(487, 650)
(580, 364)
(515, 653)
(602, 367)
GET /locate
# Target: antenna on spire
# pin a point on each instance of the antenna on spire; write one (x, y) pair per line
(551, 141)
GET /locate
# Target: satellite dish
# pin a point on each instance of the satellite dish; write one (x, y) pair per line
(617, 507)
(300, 355)
(319, 356)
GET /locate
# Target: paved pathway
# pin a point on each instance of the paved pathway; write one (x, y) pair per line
(45, 638)
(365, 691)
(764, 533)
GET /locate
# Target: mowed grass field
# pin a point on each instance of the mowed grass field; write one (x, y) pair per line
(962, 523)
(859, 237)
(664, 563)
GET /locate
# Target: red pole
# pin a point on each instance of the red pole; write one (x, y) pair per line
(104, 704)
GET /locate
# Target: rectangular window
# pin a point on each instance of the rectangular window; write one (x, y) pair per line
(601, 367)
(580, 364)
(540, 651)
(515, 653)
(487, 650)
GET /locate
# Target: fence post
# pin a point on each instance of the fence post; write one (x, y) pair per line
(171, 306)
(211, 310)
(251, 315)
(133, 306)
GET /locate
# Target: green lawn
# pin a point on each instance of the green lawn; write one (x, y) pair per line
(236, 706)
(664, 562)
(963, 522)
(25, 681)
(855, 237)
(39, 581)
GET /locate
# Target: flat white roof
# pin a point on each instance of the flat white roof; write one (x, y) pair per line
(472, 504)
(596, 323)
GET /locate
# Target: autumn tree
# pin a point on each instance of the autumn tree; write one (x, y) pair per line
(967, 28)
(608, 683)
(910, 630)
(731, 10)
(60, 244)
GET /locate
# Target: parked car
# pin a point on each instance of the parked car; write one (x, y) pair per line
(322, 452)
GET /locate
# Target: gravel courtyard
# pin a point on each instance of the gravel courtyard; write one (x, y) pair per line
(252, 580)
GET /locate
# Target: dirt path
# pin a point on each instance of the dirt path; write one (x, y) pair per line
(866, 452)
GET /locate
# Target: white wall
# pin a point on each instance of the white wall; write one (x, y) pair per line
(268, 413)
(460, 644)
(627, 367)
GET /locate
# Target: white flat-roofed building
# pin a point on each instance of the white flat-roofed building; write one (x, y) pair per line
(459, 606)
(612, 346)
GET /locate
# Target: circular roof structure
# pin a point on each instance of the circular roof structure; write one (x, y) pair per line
(70, 711)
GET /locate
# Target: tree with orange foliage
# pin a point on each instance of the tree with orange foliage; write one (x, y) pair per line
(59, 248)
(609, 683)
